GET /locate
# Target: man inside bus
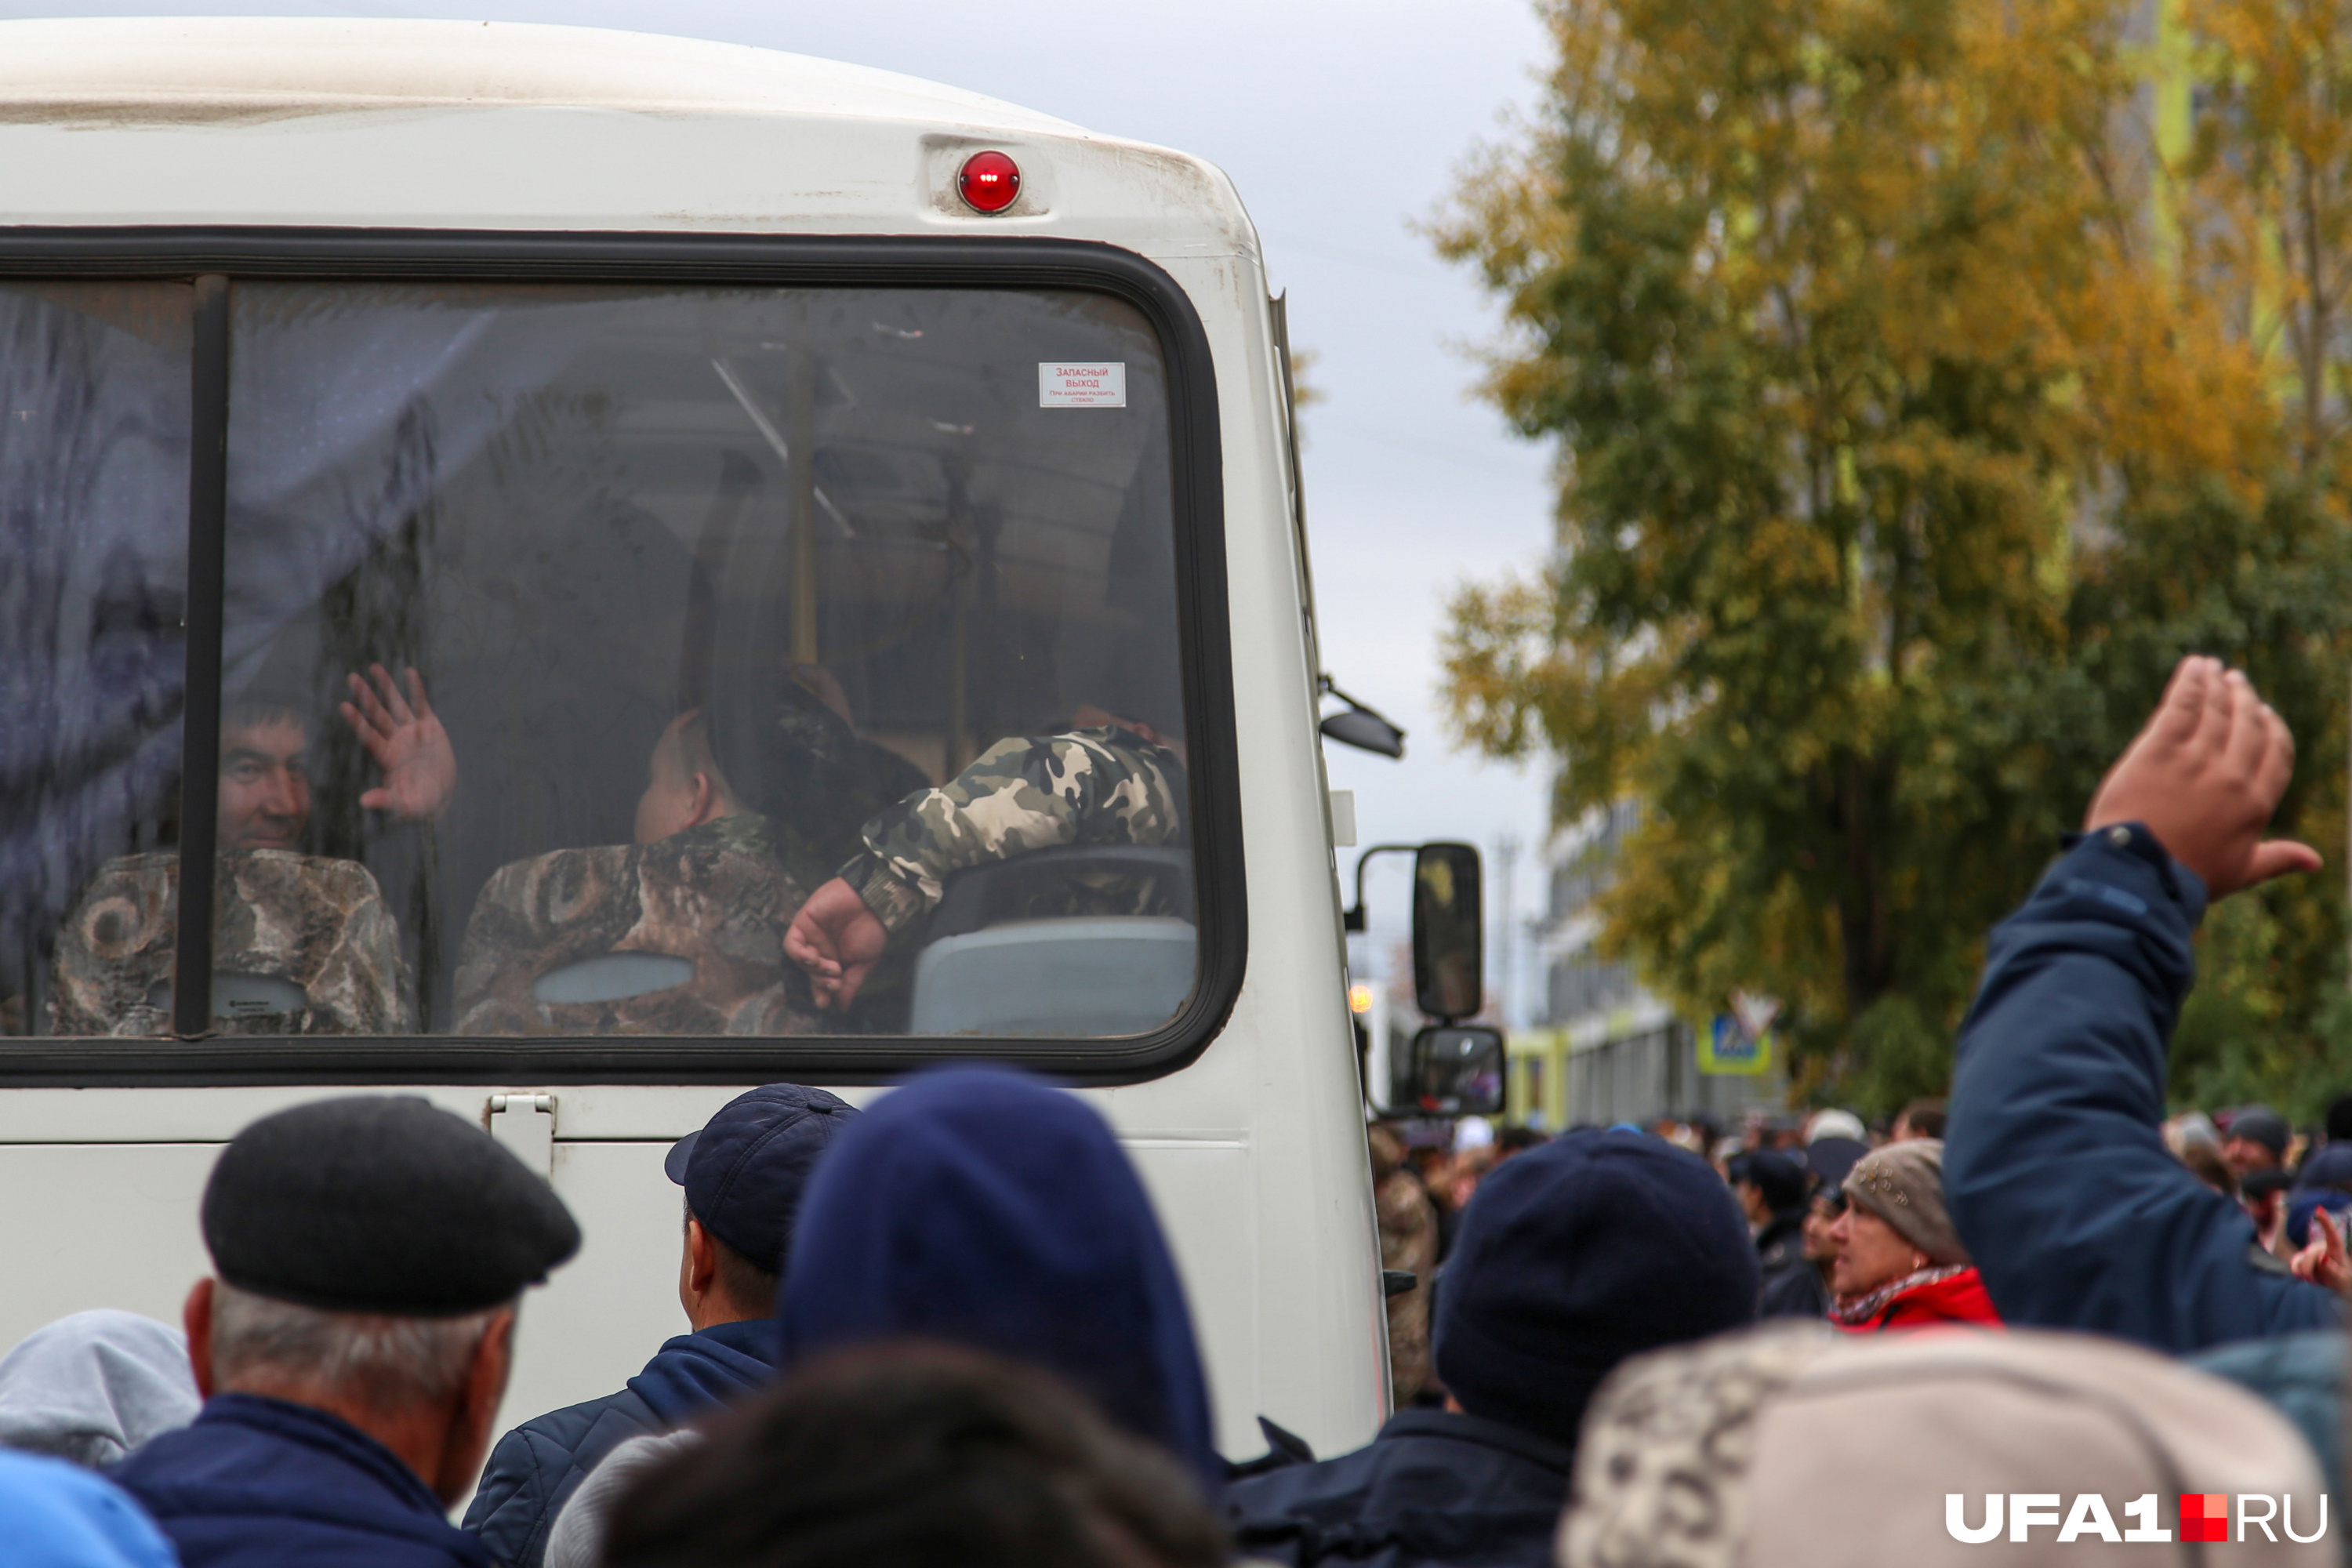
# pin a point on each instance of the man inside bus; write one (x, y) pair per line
(265, 782)
(287, 922)
(784, 761)
(354, 1341)
(1116, 776)
(688, 791)
(741, 814)
(743, 1175)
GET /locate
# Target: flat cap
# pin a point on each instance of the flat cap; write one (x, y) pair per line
(381, 1204)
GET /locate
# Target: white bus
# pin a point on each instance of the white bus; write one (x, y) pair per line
(597, 379)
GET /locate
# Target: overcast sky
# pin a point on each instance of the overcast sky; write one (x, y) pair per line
(1341, 124)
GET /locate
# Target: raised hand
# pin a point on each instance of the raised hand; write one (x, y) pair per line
(409, 745)
(839, 940)
(2204, 777)
(2321, 1259)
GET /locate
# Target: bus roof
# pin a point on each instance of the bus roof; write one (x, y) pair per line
(321, 121)
(145, 70)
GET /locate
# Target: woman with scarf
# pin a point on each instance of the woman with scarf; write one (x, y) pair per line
(1899, 1264)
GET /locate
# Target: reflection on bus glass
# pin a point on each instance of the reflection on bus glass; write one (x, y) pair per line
(1447, 934)
(94, 408)
(606, 661)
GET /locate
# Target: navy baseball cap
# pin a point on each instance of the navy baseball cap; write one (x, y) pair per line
(744, 1172)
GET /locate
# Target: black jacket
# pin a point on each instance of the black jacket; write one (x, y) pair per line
(1792, 1285)
(1433, 1488)
(536, 1467)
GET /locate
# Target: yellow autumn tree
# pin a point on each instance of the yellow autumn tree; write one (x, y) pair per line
(1877, 398)
(2256, 125)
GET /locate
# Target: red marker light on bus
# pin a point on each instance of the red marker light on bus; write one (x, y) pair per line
(989, 181)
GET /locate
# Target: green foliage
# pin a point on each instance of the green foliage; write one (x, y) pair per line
(2234, 1046)
(1895, 477)
(1896, 1054)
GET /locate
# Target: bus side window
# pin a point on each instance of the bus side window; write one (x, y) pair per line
(614, 630)
(94, 422)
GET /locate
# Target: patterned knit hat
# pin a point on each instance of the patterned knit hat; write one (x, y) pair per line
(1732, 1453)
(1903, 1185)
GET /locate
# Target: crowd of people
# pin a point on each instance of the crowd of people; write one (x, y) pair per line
(948, 1329)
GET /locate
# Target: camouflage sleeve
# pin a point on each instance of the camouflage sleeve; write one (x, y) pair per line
(1089, 786)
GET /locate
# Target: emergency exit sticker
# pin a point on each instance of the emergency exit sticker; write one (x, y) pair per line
(1064, 384)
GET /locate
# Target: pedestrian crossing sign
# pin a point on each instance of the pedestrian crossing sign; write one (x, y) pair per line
(1727, 1049)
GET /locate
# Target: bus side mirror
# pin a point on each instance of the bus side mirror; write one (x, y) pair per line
(1364, 730)
(1448, 932)
(1359, 724)
(1457, 1070)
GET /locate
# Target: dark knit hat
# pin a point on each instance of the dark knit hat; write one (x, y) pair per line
(2261, 1124)
(381, 1204)
(1572, 1257)
(745, 1171)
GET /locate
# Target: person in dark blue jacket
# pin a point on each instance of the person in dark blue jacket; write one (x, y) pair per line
(1572, 1257)
(980, 1207)
(354, 1342)
(743, 1174)
(1772, 1190)
(2055, 1170)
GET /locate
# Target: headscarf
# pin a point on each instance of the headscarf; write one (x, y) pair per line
(1903, 1183)
(1835, 1124)
(93, 1387)
(980, 1207)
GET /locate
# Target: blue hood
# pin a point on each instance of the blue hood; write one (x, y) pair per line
(695, 1372)
(62, 1516)
(983, 1208)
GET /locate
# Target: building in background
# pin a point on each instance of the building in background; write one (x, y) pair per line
(1601, 1048)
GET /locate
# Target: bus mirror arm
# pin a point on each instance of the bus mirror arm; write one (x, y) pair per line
(1353, 918)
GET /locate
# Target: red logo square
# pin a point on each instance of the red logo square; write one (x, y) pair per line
(2204, 1516)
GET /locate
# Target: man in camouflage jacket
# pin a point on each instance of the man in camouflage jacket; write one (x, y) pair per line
(1108, 781)
(707, 880)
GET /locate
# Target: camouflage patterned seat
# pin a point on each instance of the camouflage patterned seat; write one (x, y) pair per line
(301, 945)
(680, 937)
